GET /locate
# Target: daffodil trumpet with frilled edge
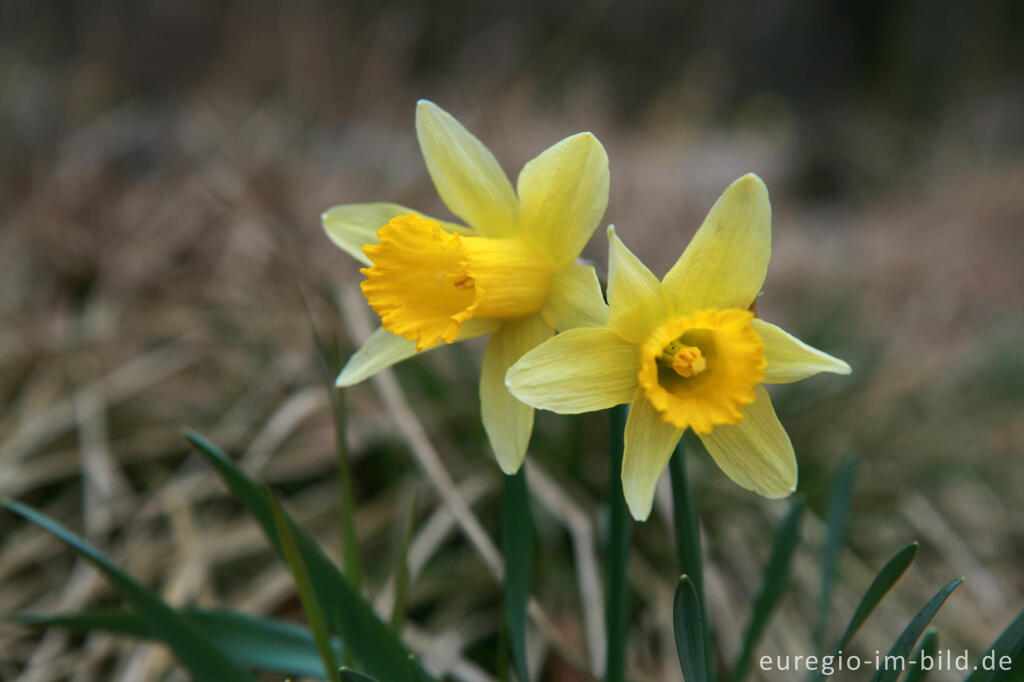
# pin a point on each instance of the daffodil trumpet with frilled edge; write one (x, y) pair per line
(510, 271)
(687, 352)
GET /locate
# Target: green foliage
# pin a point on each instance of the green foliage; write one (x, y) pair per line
(905, 643)
(835, 535)
(297, 565)
(688, 622)
(517, 544)
(1009, 643)
(776, 575)
(346, 612)
(196, 653)
(250, 641)
(619, 530)
(929, 645)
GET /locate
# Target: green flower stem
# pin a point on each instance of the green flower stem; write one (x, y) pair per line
(688, 548)
(349, 538)
(619, 528)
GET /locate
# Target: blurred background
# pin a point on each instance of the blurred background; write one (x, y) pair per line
(163, 166)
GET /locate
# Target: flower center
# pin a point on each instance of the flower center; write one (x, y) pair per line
(687, 361)
(425, 282)
(701, 370)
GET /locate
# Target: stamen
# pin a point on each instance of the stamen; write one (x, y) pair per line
(687, 361)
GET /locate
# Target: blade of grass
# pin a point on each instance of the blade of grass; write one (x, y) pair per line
(776, 574)
(250, 641)
(1009, 643)
(350, 675)
(929, 645)
(517, 546)
(328, 356)
(835, 533)
(617, 603)
(349, 615)
(308, 598)
(880, 586)
(402, 568)
(687, 529)
(688, 619)
(905, 643)
(197, 654)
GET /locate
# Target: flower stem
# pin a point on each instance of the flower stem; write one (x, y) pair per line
(617, 604)
(687, 530)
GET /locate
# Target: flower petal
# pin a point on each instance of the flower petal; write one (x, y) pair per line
(790, 359)
(507, 421)
(726, 262)
(650, 441)
(575, 299)
(756, 453)
(350, 226)
(466, 174)
(636, 300)
(383, 349)
(580, 370)
(563, 194)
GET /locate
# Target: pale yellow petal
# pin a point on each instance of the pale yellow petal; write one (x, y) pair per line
(636, 300)
(756, 453)
(351, 226)
(581, 370)
(575, 299)
(650, 441)
(790, 359)
(563, 194)
(726, 263)
(507, 421)
(383, 349)
(466, 174)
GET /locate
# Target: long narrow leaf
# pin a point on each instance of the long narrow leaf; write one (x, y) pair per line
(880, 586)
(350, 675)
(776, 575)
(402, 568)
(688, 619)
(1010, 643)
(908, 638)
(250, 641)
(517, 544)
(835, 534)
(198, 655)
(307, 596)
(362, 633)
(617, 602)
(916, 672)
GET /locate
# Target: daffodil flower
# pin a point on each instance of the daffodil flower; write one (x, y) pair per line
(687, 352)
(510, 272)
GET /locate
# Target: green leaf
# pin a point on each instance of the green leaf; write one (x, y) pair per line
(880, 586)
(617, 602)
(776, 575)
(402, 568)
(348, 614)
(835, 533)
(688, 619)
(307, 596)
(421, 672)
(249, 641)
(687, 530)
(1010, 643)
(197, 654)
(905, 643)
(350, 675)
(929, 645)
(517, 545)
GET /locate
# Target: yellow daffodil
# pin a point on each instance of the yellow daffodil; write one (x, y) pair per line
(510, 272)
(687, 352)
